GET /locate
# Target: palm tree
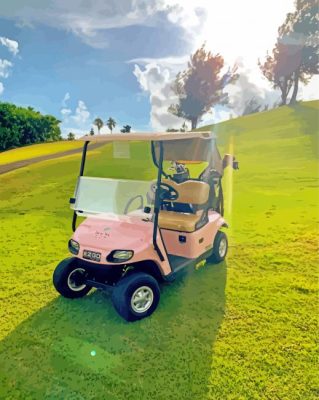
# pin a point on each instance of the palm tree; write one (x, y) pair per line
(111, 124)
(99, 124)
(126, 129)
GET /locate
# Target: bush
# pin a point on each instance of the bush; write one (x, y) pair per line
(21, 126)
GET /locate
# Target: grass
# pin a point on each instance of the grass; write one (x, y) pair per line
(242, 330)
(37, 150)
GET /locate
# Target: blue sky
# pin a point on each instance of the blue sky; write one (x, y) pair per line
(118, 58)
(52, 62)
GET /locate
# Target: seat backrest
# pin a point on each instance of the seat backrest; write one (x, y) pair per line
(190, 191)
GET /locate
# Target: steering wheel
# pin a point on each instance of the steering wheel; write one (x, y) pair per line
(167, 192)
(139, 196)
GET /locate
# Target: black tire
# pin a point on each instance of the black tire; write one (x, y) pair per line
(220, 248)
(65, 282)
(124, 290)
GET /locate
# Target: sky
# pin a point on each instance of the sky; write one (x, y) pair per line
(79, 60)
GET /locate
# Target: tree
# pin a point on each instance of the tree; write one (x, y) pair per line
(92, 132)
(276, 69)
(9, 138)
(98, 123)
(20, 126)
(126, 129)
(201, 86)
(111, 124)
(71, 136)
(295, 55)
(301, 27)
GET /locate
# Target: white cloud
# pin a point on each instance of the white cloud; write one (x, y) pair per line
(5, 66)
(163, 62)
(218, 114)
(66, 98)
(156, 81)
(12, 45)
(249, 87)
(310, 91)
(82, 114)
(66, 111)
(76, 121)
(87, 19)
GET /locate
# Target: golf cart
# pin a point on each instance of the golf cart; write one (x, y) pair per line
(139, 233)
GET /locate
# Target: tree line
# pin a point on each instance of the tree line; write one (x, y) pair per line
(21, 126)
(110, 123)
(98, 122)
(294, 59)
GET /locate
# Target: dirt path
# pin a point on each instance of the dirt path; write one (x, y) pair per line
(24, 163)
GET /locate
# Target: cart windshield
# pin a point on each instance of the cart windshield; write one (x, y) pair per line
(116, 196)
(117, 179)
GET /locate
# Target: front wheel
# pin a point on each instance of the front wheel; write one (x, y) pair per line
(136, 296)
(69, 279)
(220, 248)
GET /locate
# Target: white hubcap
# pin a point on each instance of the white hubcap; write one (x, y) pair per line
(142, 299)
(74, 278)
(222, 248)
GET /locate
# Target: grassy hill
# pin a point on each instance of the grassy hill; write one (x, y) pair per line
(245, 329)
(37, 150)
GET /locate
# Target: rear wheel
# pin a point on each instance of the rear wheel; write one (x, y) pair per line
(220, 248)
(69, 279)
(136, 296)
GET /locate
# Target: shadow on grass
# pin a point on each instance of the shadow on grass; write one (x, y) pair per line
(81, 349)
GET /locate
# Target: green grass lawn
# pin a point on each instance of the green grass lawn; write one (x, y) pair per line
(244, 329)
(37, 150)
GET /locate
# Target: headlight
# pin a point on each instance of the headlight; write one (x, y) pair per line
(120, 256)
(74, 247)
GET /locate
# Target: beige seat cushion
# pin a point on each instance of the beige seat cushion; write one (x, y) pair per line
(189, 192)
(178, 221)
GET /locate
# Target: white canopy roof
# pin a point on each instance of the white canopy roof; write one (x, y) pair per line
(147, 136)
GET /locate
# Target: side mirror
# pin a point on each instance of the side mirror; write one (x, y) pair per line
(229, 159)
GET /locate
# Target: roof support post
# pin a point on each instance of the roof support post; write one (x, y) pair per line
(81, 174)
(158, 201)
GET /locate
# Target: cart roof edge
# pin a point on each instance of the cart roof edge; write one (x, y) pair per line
(147, 136)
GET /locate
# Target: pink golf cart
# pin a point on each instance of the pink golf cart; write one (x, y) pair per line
(139, 233)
